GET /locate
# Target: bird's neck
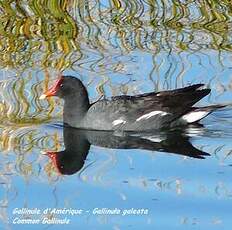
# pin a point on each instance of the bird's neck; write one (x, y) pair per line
(75, 109)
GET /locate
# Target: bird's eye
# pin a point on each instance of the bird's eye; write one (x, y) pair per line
(61, 85)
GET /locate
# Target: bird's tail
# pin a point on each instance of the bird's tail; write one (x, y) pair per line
(198, 113)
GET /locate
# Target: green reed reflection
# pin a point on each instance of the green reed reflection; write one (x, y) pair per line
(44, 27)
(39, 38)
(96, 36)
(21, 106)
(50, 33)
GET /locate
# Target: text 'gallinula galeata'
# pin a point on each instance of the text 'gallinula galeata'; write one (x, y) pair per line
(149, 111)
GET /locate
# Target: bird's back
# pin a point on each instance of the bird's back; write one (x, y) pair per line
(145, 111)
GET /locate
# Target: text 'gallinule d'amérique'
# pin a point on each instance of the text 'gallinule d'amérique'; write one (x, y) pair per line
(149, 111)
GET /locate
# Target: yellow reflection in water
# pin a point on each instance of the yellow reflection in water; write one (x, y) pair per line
(50, 33)
(88, 35)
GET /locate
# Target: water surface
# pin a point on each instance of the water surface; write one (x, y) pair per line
(115, 47)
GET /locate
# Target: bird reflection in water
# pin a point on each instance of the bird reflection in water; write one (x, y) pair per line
(77, 144)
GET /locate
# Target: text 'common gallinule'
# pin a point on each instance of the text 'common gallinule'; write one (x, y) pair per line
(149, 111)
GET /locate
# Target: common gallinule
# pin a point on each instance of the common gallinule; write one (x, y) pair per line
(77, 144)
(148, 111)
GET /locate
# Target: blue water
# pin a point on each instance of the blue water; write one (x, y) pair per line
(177, 191)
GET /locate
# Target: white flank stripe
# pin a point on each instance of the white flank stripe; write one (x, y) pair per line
(194, 116)
(117, 122)
(202, 87)
(153, 139)
(151, 114)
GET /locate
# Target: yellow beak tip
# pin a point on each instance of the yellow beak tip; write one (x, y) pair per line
(42, 97)
(43, 152)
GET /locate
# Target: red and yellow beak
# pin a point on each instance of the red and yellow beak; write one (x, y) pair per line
(53, 90)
